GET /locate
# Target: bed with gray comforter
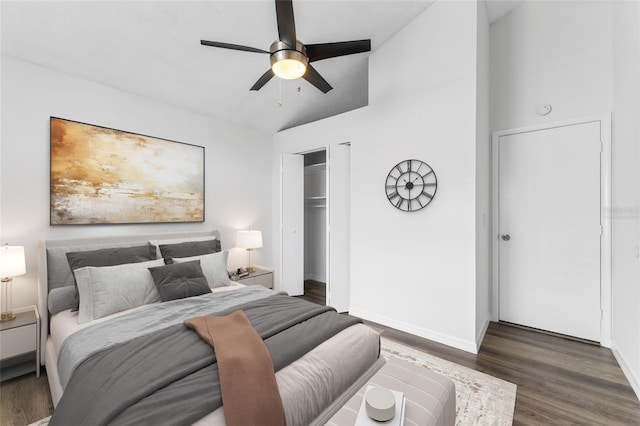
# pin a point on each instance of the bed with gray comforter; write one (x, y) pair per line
(148, 368)
(143, 366)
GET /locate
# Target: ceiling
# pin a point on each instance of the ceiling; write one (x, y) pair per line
(152, 49)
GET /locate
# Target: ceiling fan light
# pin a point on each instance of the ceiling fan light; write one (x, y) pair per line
(288, 63)
(289, 69)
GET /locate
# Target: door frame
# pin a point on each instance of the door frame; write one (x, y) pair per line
(329, 199)
(605, 216)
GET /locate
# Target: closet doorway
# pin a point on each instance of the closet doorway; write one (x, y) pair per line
(322, 212)
(315, 226)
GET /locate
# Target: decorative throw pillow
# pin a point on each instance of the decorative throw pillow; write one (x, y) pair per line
(109, 257)
(214, 267)
(180, 280)
(190, 248)
(109, 289)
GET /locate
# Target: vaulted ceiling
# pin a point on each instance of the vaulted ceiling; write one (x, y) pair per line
(152, 49)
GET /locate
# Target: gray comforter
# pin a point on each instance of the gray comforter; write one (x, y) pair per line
(86, 342)
(170, 376)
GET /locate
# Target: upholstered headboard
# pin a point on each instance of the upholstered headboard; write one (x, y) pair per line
(54, 270)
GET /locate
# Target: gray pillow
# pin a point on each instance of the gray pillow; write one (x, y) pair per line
(190, 248)
(61, 299)
(106, 290)
(180, 280)
(109, 257)
(214, 267)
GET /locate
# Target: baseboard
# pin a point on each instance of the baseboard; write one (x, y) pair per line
(626, 369)
(482, 331)
(314, 277)
(436, 336)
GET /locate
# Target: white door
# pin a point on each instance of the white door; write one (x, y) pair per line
(292, 183)
(549, 229)
(338, 196)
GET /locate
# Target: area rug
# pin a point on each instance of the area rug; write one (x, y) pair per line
(481, 399)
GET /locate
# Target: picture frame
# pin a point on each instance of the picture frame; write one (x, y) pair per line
(100, 175)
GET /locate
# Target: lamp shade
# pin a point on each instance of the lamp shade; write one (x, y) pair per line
(12, 261)
(249, 239)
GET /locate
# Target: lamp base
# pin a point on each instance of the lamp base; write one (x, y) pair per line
(7, 316)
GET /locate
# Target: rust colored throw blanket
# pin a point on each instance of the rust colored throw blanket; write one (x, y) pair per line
(250, 393)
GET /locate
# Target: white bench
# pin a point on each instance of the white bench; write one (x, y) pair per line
(430, 397)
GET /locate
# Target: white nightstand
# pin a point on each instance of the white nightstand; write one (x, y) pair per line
(262, 276)
(19, 344)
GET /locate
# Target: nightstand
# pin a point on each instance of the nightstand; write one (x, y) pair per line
(19, 344)
(262, 276)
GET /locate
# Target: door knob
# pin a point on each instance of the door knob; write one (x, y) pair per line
(506, 237)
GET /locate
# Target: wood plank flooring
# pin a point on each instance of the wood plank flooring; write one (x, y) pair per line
(25, 399)
(315, 291)
(560, 381)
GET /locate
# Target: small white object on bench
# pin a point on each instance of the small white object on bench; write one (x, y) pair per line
(380, 403)
(387, 413)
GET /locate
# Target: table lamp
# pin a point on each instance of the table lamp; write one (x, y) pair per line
(11, 265)
(249, 240)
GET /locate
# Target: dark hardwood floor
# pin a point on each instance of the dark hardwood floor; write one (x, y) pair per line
(560, 381)
(25, 399)
(315, 291)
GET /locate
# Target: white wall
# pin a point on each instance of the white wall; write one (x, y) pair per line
(551, 52)
(483, 178)
(238, 180)
(626, 190)
(413, 271)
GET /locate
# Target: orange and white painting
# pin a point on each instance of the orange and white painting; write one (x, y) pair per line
(101, 175)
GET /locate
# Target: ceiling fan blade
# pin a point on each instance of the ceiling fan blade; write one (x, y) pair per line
(286, 22)
(262, 80)
(320, 51)
(314, 77)
(231, 46)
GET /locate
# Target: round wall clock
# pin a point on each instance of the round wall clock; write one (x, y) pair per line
(411, 185)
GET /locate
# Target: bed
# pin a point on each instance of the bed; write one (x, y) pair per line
(317, 354)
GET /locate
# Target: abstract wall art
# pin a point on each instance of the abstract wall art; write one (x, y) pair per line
(106, 176)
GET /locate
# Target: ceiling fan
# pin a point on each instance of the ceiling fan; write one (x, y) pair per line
(290, 59)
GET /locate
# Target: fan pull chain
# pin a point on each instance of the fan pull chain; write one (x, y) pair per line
(279, 92)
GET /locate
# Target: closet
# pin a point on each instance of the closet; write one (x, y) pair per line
(315, 225)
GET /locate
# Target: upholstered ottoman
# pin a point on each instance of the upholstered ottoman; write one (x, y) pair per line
(430, 397)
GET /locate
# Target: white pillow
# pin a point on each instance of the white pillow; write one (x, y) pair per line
(214, 267)
(106, 290)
